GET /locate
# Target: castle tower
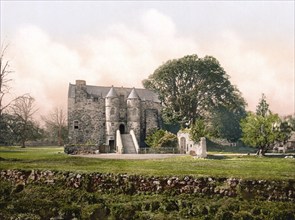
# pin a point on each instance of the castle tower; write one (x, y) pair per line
(133, 113)
(112, 116)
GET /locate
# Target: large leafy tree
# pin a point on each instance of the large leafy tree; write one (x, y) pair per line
(263, 129)
(225, 123)
(259, 132)
(191, 87)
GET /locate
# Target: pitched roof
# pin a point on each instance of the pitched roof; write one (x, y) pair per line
(102, 91)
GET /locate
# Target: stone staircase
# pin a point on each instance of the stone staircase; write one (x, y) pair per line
(128, 144)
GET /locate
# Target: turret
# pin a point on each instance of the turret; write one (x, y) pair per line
(133, 113)
(112, 116)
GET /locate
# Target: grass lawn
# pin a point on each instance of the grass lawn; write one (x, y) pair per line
(53, 158)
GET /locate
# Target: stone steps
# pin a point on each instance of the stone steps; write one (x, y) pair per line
(128, 144)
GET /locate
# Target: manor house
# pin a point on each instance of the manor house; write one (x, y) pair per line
(97, 113)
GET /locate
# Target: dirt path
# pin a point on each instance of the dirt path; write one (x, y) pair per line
(130, 156)
(159, 156)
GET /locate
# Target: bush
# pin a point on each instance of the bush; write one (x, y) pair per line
(161, 138)
(153, 137)
(168, 140)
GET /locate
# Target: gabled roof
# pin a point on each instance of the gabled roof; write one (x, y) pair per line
(102, 91)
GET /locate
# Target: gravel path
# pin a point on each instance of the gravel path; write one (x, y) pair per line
(159, 156)
(130, 156)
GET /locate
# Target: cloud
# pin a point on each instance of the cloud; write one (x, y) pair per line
(256, 70)
(123, 56)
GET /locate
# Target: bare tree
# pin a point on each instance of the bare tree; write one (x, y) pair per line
(4, 79)
(23, 110)
(56, 123)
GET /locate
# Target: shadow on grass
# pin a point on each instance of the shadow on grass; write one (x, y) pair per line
(217, 157)
(280, 156)
(9, 159)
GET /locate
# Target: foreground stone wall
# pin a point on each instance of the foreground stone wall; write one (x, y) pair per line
(272, 190)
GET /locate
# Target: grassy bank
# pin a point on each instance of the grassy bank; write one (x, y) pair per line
(51, 202)
(53, 158)
(36, 200)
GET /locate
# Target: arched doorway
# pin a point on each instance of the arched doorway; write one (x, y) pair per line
(122, 129)
(182, 145)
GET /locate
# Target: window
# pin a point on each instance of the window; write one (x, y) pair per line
(95, 99)
(112, 111)
(76, 125)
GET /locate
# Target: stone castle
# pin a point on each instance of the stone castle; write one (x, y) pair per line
(96, 114)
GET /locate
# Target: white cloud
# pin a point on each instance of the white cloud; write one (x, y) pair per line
(157, 24)
(124, 56)
(254, 72)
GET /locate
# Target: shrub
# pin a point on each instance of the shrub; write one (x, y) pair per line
(153, 137)
(168, 140)
(161, 138)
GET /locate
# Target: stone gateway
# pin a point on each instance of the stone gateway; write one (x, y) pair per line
(97, 113)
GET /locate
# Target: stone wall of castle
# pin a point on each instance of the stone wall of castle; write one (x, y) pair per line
(94, 119)
(86, 119)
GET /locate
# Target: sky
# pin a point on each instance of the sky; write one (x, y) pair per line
(120, 43)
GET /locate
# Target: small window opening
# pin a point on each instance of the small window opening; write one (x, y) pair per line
(76, 124)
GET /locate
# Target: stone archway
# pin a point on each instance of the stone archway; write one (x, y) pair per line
(122, 129)
(182, 145)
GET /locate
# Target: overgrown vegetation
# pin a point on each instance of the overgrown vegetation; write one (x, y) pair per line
(45, 202)
(161, 139)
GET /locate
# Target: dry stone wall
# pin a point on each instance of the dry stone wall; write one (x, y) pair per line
(272, 190)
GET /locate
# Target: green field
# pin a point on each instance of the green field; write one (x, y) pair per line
(59, 201)
(53, 158)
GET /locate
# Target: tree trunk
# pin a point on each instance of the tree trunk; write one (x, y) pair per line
(261, 152)
(60, 141)
(23, 144)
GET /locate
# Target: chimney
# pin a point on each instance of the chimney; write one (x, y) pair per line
(80, 82)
